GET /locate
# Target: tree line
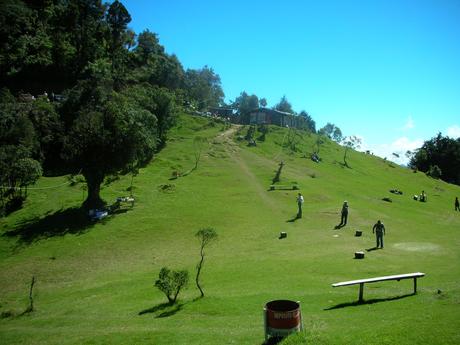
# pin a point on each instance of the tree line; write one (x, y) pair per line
(82, 93)
(438, 157)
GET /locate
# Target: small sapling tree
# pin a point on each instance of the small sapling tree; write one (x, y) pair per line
(198, 145)
(171, 283)
(350, 142)
(205, 236)
(319, 141)
(30, 307)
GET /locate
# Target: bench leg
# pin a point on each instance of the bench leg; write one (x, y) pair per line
(361, 290)
(415, 286)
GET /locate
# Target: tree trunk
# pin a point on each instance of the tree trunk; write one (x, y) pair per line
(94, 180)
(345, 157)
(198, 271)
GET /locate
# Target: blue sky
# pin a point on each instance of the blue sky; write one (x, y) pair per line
(387, 71)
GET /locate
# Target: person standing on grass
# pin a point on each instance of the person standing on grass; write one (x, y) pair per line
(299, 204)
(379, 230)
(423, 196)
(344, 218)
(457, 204)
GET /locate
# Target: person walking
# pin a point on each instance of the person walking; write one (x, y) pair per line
(379, 230)
(457, 204)
(344, 218)
(299, 204)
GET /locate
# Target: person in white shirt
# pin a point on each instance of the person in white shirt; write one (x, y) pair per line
(299, 204)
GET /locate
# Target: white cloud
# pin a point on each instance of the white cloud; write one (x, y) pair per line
(396, 150)
(453, 131)
(409, 124)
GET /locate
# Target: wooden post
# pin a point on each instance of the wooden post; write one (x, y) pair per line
(361, 290)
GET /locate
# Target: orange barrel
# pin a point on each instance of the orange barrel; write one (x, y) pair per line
(282, 317)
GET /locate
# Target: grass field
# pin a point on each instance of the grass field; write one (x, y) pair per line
(94, 281)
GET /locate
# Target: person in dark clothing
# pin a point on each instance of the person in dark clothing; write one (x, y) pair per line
(344, 218)
(379, 230)
(457, 204)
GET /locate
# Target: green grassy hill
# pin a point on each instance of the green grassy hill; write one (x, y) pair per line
(95, 280)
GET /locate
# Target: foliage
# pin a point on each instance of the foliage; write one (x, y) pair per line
(107, 131)
(332, 132)
(309, 122)
(18, 141)
(204, 86)
(284, 106)
(443, 152)
(171, 283)
(120, 95)
(435, 172)
(152, 65)
(205, 236)
(244, 104)
(293, 139)
(350, 142)
(160, 102)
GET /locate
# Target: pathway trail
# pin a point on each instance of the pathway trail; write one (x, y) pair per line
(232, 149)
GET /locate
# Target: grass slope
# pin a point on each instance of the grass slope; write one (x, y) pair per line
(95, 281)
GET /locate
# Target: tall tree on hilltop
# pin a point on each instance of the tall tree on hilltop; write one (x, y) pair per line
(26, 47)
(443, 152)
(106, 131)
(129, 39)
(152, 65)
(245, 103)
(18, 168)
(147, 45)
(263, 102)
(309, 122)
(204, 87)
(88, 32)
(118, 19)
(284, 106)
(331, 131)
(161, 103)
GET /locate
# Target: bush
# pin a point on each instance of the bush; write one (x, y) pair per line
(171, 283)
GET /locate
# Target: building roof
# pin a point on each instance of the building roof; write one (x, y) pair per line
(268, 110)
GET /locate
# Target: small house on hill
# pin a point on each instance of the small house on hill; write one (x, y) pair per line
(221, 112)
(274, 117)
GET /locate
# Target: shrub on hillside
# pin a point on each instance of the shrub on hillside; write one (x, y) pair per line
(171, 283)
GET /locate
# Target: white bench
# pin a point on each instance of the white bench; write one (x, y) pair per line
(397, 277)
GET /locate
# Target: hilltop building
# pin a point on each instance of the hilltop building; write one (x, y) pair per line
(274, 117)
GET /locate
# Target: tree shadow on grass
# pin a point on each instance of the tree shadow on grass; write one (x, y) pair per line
(344, 165)
(292, 220)
(69, 221)
(370, 301)
(168, 309)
